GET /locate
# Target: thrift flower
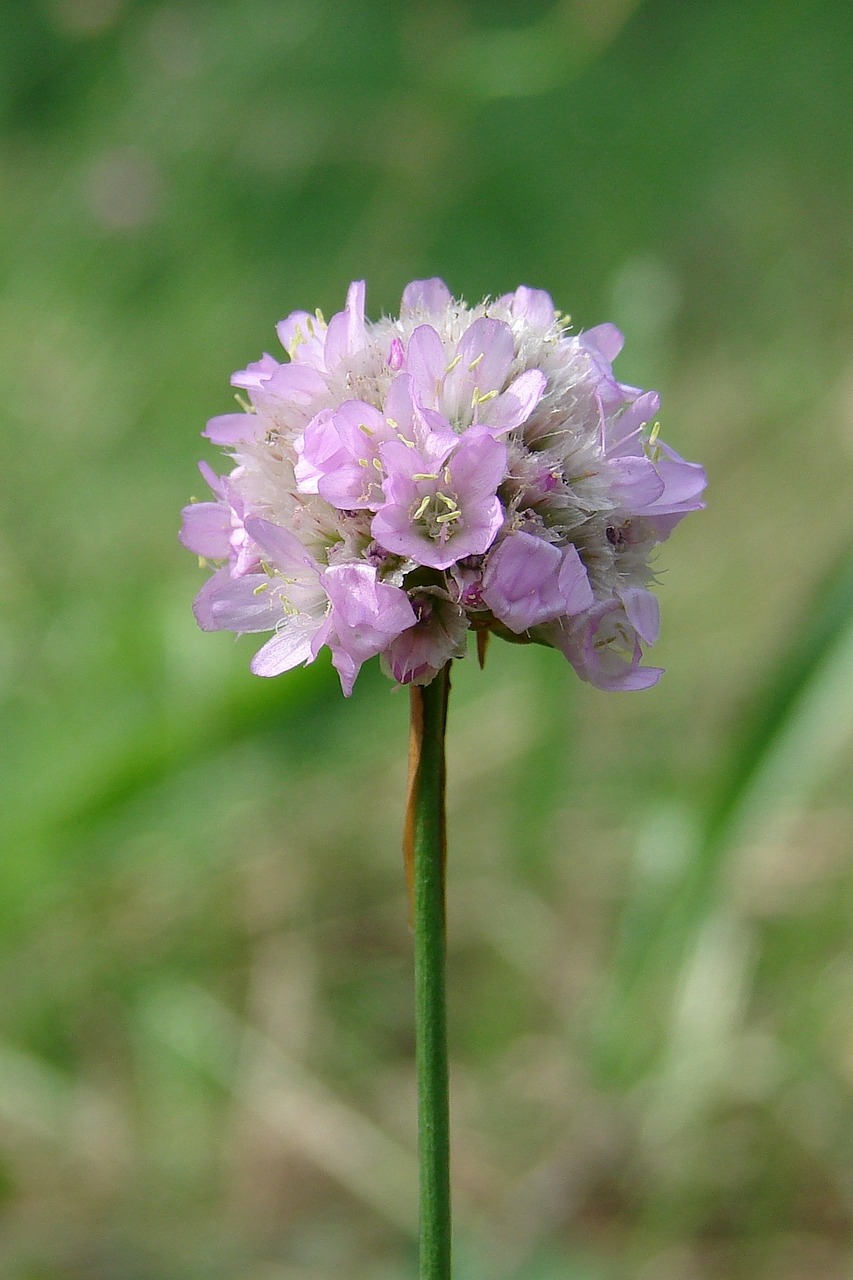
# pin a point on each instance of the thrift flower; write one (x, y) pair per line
(394, 485)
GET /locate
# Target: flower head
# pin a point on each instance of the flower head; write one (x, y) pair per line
(399, 483)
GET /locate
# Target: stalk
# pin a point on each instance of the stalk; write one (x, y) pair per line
(425, 850)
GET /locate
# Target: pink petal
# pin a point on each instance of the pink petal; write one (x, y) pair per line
(206, 529)
(245, 604)
(234, 428)
(643, 612)
(287, 648)
(282, 547)
(516, 404)
(427, 296)
(426, 362)
(606, 339)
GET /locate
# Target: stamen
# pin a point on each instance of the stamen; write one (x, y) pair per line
(421, 508)
(473, 365)
(265, 586)
(425, 475)
(453, 363)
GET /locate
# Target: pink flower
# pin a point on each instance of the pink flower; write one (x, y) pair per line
(396, 484)
(528, 581)
(439, 509)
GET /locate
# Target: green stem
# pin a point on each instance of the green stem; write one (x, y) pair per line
(427, 834)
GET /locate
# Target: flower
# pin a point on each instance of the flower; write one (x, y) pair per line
(395, 485)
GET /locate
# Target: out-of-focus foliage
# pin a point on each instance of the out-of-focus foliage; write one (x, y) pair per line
(205, 1052)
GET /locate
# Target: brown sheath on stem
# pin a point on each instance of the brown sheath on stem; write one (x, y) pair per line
(482, 646)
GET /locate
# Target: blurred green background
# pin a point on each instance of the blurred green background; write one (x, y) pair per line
(206, 1045)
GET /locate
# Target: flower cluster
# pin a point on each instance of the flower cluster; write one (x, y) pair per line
(400, 483)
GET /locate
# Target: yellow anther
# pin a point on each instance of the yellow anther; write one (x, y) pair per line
(447, 475)
(202, 562)
(362, 462)
(447, 517)
(296, 341)
(393, 424)
(265, 586)
(421, 508)
(321, 319)
(425, 475)
(368, 431)
(473, 365)
(654, 433)
(448, 502)
(377, 465)
(453, 363)
(483, 399)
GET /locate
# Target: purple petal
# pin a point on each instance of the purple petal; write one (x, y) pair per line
(287, 648)
(683, 483)
(346, 334)
(366, 616)
(206, 529)
(535, 306)
(643, 611)
(298, 384)
(516, 404)
(282, 547)
(426, 296)
(245, 604)
(292, 326)
(605, 339)
(635, 484)
(623, 433)
(520, 581)
(217, 483)
(303, 337)
(485, 351)
(256, 374)
(528, 582)
(351, 487)
(603, 647)
(478, 466)
(426, 362)
(234, 428)
(367, 613)
(399, 404)
(204, 600)
(318, 449)
(575, 591)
